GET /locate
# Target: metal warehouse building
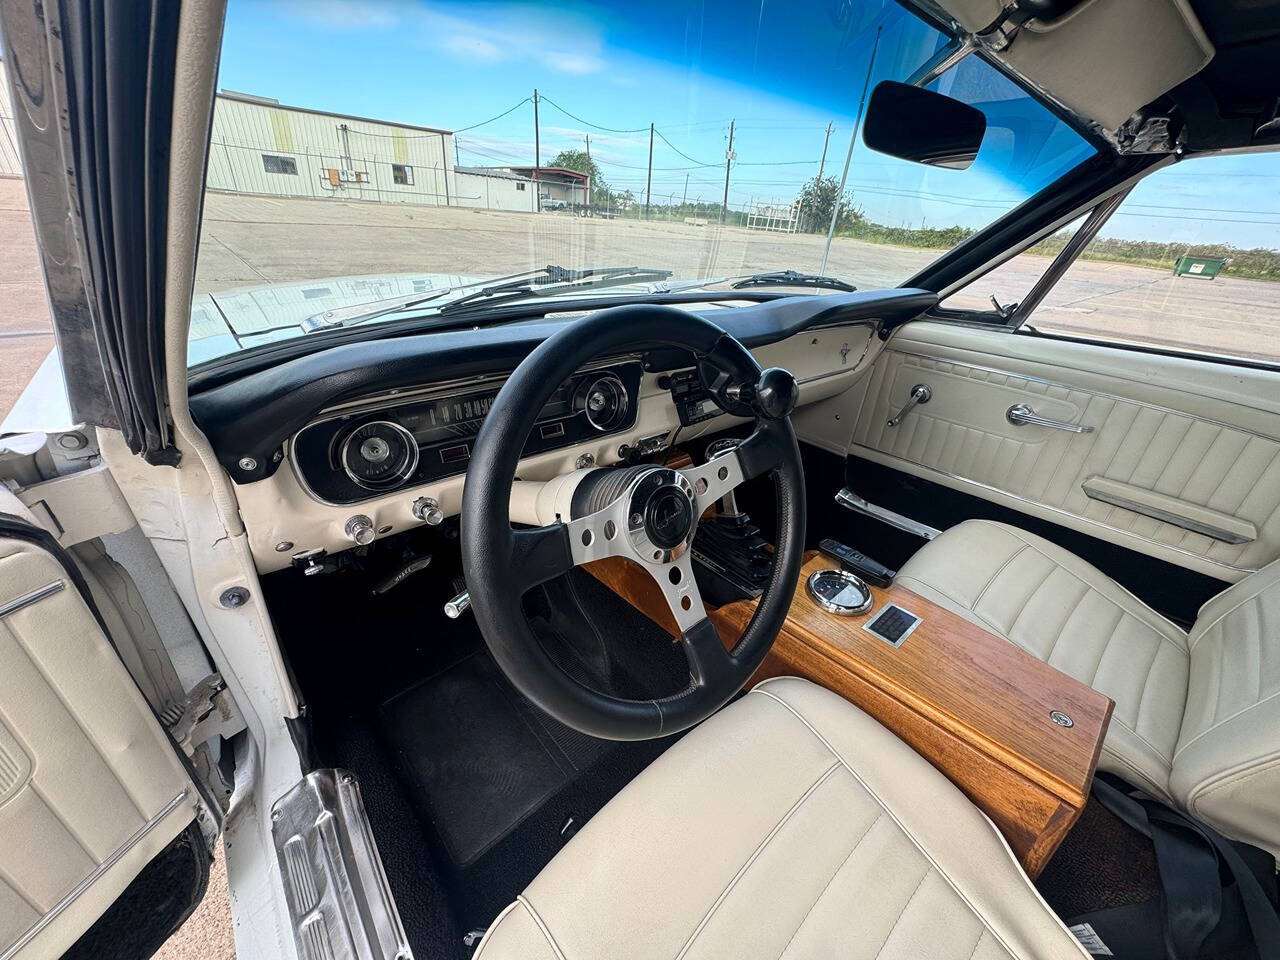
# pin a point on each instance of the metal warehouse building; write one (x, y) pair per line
(261, 146)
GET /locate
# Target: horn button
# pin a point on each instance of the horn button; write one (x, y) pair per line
(661, 515)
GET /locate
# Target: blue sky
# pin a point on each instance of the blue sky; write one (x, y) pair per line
(783, 71)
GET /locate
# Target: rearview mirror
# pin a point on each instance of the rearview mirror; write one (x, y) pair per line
(915, 124)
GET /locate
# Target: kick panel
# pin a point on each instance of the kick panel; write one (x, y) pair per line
(1199, 488)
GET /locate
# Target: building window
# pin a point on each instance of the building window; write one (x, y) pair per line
(402, 174)
(274, 164)
(519, 185)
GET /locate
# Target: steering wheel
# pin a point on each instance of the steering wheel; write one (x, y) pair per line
(647, 514)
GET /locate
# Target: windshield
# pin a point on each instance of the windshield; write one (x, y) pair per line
(374, 160)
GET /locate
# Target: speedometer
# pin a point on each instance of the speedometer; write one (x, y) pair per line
(379, 455)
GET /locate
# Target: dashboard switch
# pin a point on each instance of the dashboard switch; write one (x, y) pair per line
(359, 529)
(427, 509)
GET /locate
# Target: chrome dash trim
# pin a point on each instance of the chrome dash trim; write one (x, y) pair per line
(1165, 516)
(112, 859)
(27, 599)
(851, 501)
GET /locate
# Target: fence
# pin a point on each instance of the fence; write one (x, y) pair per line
(241, 168)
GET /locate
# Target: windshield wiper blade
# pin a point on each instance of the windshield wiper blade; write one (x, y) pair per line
(791, 278)
(559, 280)
(360, 312)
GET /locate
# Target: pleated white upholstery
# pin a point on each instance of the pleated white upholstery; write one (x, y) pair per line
(1197, 718)
(790, 825)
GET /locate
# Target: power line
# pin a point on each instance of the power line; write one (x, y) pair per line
(498, 117)
(588, 123)
(681, 152)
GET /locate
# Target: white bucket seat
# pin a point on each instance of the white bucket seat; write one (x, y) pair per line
(1197, 716)
(789, 825)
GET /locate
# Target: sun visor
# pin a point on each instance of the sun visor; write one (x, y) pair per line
(1103, 59)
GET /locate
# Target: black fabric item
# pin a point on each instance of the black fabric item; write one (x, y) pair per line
(1101, 863)
(153, 906)
(1189, 855)
(481, 758)
(119, 74)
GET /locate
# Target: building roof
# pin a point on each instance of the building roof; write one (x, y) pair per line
(503, 173)
(272, 102)
(562, 171)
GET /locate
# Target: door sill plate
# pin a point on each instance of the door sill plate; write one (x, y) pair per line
(340, 904)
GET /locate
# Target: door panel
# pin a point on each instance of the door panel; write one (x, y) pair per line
(1181, 459)
(90, 787)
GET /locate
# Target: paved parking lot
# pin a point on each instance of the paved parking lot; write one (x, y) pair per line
(254, 240)
(26, 332)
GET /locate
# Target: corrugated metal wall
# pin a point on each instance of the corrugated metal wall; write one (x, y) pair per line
(494, 193)
(326, 156)
(10, 161)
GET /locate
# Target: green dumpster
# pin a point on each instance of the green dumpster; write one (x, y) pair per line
(1207, 267)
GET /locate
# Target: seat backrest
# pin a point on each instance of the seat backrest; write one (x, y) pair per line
(1226, 766)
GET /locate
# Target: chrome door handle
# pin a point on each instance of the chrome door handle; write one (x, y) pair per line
(920, 393)
(1021, 413)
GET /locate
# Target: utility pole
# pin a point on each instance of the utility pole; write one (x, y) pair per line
(823, 162)
(728, 159)
(588, 139)
(537, 155)
(685, 199)
(648, 180)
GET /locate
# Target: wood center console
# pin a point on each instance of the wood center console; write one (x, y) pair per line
(1017, 736)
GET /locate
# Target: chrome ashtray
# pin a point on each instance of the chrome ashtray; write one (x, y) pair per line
(839, 592)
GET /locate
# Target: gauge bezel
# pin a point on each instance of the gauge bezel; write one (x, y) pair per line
(839, 609)
(397, 479)
(622, 409)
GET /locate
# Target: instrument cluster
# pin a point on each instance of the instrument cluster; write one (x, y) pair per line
(360, 452)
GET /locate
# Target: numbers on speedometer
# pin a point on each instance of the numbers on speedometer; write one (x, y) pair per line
(379, 455)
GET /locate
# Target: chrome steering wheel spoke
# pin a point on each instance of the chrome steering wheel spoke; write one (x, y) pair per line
(714, 479)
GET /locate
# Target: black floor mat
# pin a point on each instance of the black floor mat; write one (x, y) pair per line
(481, 757)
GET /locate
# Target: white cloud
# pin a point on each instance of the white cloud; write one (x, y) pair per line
(343, 14)
(472, 48)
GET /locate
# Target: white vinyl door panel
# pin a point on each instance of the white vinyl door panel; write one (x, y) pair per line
(1181, 458)
(90, 788)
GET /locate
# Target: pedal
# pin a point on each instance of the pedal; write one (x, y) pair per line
(872, 571)
(408, 569)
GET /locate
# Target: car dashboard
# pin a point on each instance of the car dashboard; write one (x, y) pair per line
(366, 440)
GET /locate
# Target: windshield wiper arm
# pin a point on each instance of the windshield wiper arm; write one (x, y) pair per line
(360, 312)
(559, 280)
(790, 278)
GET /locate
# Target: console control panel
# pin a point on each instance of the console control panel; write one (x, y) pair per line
(693, 403)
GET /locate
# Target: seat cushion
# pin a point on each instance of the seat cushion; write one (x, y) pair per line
(1071, 615)
(1226, 770)
(789, 825)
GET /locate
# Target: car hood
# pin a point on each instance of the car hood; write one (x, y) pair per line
(225, 321)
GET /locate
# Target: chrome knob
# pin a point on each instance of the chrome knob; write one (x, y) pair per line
(458, 605)
(359, 529)
(427, 509)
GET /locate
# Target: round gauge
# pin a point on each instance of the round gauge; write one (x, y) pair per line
(379, 455)
(839, 592)
(604, 400)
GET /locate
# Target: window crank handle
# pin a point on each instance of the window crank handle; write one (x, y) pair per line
(920, 393)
